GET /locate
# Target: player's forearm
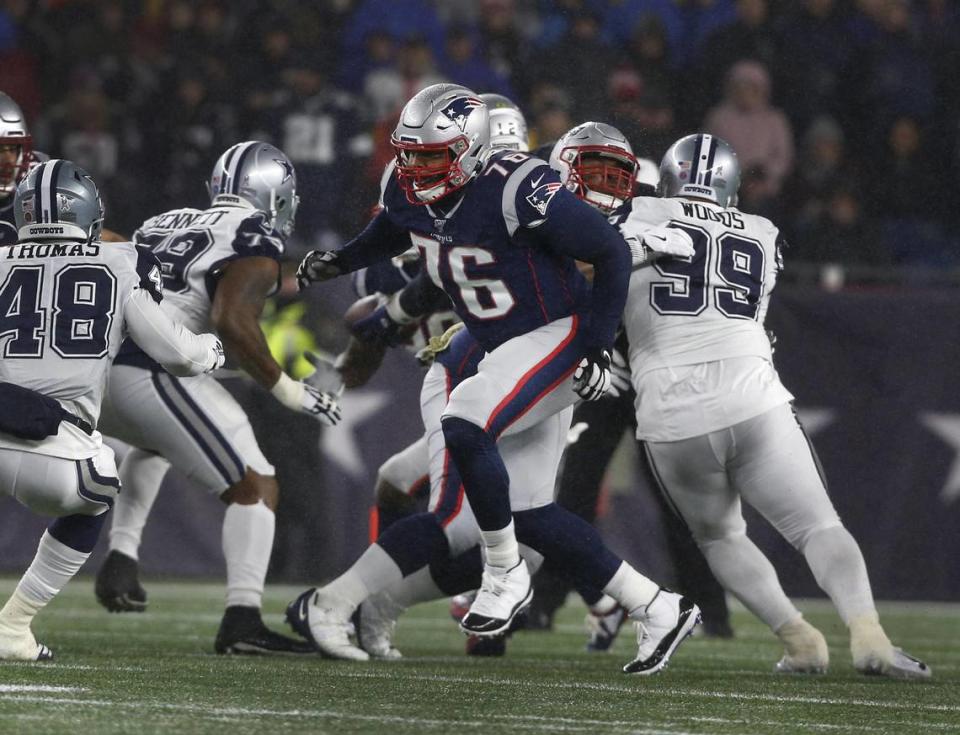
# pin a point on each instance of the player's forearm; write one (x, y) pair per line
(422, 296)
(245, 345)
(380, 239)
(176, 348)
(359, 362)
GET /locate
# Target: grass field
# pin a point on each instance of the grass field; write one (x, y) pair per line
(156, 673)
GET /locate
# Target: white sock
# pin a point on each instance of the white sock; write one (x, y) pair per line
(373, 572)
(418, 587)
(631, 589)
(247, 545)
(744, 571)
(501, 547)
(837, 564)
(54, 565)
(141, 474)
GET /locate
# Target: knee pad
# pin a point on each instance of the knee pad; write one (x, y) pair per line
(79, 532)
(462, 435)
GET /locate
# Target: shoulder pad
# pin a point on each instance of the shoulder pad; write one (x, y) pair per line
(527, 193)
(256, 237)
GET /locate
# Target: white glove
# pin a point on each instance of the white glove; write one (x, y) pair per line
(215, 349)
(619, 374)
(300, 396)
(669, 241)
(592, 377)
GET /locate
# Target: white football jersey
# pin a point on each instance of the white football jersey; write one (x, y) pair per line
(63, 309)
(700, 311)
(194, 245)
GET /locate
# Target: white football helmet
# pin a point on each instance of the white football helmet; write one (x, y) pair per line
(13, 132)
(439, 141)
(508, 126)
(596, 162)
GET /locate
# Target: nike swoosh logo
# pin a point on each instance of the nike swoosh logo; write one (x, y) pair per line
(302, 612)
(536, 183)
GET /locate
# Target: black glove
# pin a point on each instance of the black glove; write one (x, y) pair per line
(319, 265)
(592, 378)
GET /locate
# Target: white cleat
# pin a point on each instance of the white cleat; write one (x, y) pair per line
(375, 621)
(804, 649)
(21, 646)
(325, 624)
(668, 619)
(503, 594)
(875, 655)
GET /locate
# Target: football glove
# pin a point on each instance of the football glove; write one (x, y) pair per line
(592, 377)
(619, 374)
(216, 355)
(318, 265)
(658, 242)
(301, 396)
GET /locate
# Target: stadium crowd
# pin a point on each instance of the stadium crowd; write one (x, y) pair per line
(844, 112)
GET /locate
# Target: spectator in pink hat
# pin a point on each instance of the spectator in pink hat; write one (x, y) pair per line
(759, 132)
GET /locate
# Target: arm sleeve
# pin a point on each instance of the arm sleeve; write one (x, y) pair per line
(422, 296)
(176, 348)
(574, 228)
(381, 239)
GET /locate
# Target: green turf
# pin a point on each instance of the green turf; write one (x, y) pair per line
(156, 673)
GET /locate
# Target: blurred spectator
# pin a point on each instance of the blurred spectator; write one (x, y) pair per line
(813, 38)
(464, 64)
(644, 115)
(751, 36)
(503, 41)
(576, 63)
(550, 111)
(399, 19)
(759, 133)
(387, 89)
(620, 20)
(842, 233)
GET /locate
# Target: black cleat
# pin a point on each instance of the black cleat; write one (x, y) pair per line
(117, 587)
(242, 631)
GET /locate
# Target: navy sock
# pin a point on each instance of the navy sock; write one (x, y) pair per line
(459, 574)
(569, 542)
(415, 541)
(485, 479)
(79, 532)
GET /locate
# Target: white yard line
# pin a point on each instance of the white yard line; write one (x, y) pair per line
(4, 688)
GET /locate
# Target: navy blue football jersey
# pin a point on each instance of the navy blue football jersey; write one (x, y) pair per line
(484, 250)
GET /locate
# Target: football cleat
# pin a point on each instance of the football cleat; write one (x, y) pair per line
(374, 621)
(900, 665)
(460, 605)
(477, 646)
(326, 626)
(22, 646)
(502, 596)
(117, 586)
(669, 618)
(804, 649)
(242, 632)
(874, 654)
(603, 622)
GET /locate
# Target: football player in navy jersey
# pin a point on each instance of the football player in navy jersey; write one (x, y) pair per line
(500, 235)
(16, 155)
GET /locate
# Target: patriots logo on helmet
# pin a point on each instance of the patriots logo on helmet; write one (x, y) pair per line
(458, 110)
(541, 196)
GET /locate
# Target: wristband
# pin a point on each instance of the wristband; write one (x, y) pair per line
(289, 392)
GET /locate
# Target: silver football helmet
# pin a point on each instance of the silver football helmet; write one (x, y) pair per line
(16, 145)
(596, 162)
(701, 165)
(442, 134)
(508, 126)
(261, 175)
(58, 201)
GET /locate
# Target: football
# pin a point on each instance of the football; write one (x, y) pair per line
(361, 308)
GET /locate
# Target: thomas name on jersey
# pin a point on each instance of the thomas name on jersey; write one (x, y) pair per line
(54, 250)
